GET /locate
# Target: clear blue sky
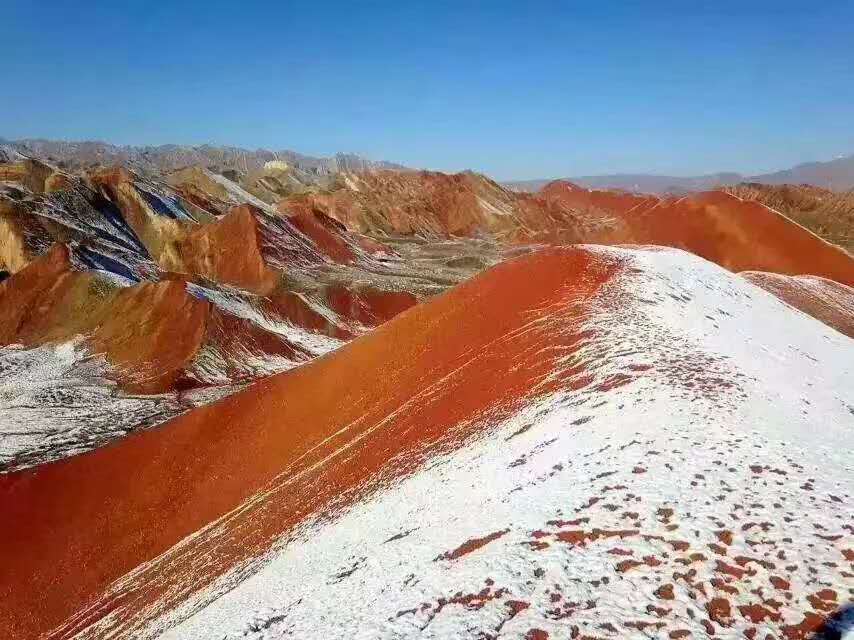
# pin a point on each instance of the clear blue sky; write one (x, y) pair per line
(518, 90)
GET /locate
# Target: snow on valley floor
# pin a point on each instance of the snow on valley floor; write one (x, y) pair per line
(57, 400)
(706, 493)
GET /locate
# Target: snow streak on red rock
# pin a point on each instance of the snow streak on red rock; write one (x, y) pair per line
(678, 494)
(438, 367)
(734, 233)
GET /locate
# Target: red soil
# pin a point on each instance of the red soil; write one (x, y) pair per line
(823, 299)
(804, 629)
(719, 611)
(327, 233)
(472, 545)
(736, 234)
(417, 386)
(228, 251)
(756, 613)
(665, 592)
(149, 333)
(369, 306)
(20, 294)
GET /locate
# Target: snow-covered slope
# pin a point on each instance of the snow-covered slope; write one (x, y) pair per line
(829, 301)
(710, 496)
(676, 465)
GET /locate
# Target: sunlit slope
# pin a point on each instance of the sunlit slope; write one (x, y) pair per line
(737, 234)
(829, 301)
(617, 440)
(699, 486)
(442, 363)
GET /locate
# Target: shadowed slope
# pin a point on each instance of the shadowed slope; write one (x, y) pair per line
(229, 250)
(150, 334)
(122, 505)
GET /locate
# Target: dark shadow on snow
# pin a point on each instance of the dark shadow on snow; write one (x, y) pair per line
(836, 625)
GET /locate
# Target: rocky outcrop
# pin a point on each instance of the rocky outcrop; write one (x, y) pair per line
(734, 233)
(427, 204)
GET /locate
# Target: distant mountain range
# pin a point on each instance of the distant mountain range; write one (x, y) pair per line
(835, 174)
(76, 156)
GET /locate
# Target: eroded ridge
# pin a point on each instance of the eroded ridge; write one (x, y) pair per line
(508, 449)
(302, 438)
(687, 497)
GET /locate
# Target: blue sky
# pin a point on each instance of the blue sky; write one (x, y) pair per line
(517, 90)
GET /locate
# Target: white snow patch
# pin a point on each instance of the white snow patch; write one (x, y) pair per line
(732, 447)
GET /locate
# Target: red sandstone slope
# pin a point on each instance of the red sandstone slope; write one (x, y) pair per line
(237, 249)
(423, 203)
(736, 234)
(829, 301)
(829, 214)
(284, 267)
(202, 465)
(431, 204)
(584, 389)
(291, 226)
(214, 291)
(19, 295)
(278, 284)
(330, 235)
(150, 333)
